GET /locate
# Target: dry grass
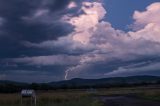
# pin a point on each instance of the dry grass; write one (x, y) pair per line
(9, 99)
(78, 97)
(56, 98)
(129, 90)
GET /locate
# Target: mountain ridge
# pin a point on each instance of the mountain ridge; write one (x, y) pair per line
(111, 81)
(140, 77)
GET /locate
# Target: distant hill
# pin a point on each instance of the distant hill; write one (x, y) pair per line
(112, 80)
(2, 82)
(78, 83)
(11, 86)
(107, 81)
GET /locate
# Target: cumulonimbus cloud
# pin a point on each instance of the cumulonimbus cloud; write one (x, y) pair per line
(101, 39)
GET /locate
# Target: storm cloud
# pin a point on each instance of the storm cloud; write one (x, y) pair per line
(71, 39)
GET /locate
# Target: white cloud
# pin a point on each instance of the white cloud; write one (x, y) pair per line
(151, 15)
(150, 32)
(149, 21)
(85, 23)
(72, 5)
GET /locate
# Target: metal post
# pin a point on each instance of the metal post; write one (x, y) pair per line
(35, 100)
(31, 100)
(21, 100)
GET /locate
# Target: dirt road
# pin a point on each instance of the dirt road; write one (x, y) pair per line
(127, 101)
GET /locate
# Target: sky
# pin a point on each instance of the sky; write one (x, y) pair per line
(53, 40)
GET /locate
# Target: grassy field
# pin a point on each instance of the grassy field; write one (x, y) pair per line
(79, 97)
(53, 98)
(150, 93)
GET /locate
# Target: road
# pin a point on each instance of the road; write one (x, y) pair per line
(127, 101)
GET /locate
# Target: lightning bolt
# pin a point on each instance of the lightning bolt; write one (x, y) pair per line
(83, 60)
(70, 70)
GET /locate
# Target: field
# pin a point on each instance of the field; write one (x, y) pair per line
(83, 97)
(52, 98)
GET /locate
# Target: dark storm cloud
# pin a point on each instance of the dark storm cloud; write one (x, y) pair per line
(19, 22)
(41, 74)
(14, 28)
(34, 21)
(17, 29)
